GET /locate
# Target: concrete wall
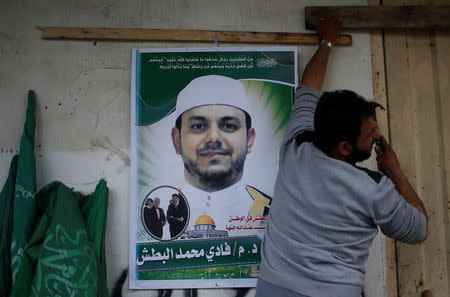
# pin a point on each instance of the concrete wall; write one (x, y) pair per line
(83, 93)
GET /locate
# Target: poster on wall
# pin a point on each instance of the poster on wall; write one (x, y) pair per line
(206, 127)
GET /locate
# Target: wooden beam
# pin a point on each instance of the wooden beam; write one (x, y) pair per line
(383, 17)
(118, 34)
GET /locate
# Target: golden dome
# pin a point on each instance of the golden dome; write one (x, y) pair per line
(205, 220)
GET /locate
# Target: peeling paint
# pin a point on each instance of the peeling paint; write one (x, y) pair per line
(419, 284)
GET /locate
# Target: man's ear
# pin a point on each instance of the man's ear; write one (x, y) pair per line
(345, 149)
(176, 140)
(250, 139)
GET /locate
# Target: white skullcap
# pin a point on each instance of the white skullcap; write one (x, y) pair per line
(212, 89)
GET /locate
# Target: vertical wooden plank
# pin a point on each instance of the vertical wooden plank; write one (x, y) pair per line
(441, 47)
(379, 92)
(417, 83)
(401, 114)
(400, 108)
(429, 159)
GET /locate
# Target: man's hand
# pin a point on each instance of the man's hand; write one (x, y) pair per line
(328, 28)
(387, 159)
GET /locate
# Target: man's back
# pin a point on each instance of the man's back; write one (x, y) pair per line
(325, 213)
(326, 210)
(308, 236)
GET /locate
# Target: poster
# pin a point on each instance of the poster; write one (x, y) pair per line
(206, 127)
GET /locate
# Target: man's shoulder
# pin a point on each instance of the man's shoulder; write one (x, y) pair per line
(366, 182)
(363, 178)
(360, 179)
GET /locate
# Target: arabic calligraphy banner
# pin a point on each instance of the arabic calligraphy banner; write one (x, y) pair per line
(194, 253)
(206, 130)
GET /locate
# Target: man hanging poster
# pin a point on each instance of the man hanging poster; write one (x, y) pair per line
(206, 130)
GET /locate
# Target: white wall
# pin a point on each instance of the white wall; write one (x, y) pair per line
(83, 101)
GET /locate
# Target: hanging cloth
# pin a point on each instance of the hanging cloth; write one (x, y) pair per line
(52, 243)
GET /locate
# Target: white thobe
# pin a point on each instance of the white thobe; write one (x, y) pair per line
(221, 206)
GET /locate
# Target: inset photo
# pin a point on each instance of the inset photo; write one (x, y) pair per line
(164, 213)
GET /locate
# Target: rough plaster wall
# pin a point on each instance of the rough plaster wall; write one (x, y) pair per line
(83, 93)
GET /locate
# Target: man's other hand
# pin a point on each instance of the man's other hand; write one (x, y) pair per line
(387, 159)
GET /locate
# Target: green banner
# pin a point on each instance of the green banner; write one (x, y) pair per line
(171, 72)
(202, 253)
(25, 189)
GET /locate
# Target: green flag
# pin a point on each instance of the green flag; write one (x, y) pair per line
(94, 209)
(6, 209)
(25, 189)
(65, 255)
(52, 243)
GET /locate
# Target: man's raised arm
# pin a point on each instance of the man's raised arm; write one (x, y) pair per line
(314, 74)
(302, 117)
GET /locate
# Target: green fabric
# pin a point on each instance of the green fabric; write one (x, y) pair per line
(66, 255)
(6, 209)
(25, 189)
(52, 242)
(95, 210)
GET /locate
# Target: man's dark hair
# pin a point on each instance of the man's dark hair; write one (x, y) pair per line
(175, 195)
(248, 122)
(338, 117)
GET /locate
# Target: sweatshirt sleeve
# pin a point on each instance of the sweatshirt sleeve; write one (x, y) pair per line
(302, 117)
(396, 217)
